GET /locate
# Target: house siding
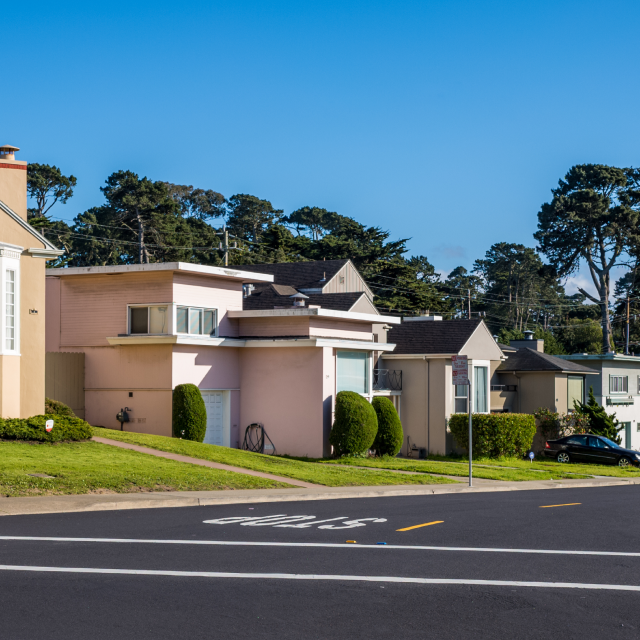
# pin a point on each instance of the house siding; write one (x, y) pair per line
(347, 280)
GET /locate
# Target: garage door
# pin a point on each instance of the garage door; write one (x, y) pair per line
(215, 417)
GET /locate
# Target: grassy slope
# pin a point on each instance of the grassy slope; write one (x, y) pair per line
(84, 467)
(456, 468)
(306, 471)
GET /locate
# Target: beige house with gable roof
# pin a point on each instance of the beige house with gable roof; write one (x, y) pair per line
(23, 257)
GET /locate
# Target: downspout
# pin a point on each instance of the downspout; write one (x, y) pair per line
(426, 412)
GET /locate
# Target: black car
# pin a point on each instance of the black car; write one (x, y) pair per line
(593, 449)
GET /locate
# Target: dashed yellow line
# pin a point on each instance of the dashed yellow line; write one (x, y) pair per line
(417, 526)
(569, 504)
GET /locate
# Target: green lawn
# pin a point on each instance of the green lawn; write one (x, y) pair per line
(90, 467)
(457, 468)
(306, 471)
(549, 464)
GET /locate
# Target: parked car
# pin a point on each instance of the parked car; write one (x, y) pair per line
(593, 449)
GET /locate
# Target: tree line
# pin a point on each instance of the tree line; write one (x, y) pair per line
(592, 219)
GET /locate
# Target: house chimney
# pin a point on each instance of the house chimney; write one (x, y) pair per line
(528, 335)
(8, 152)
(298, 299)
(13, 180)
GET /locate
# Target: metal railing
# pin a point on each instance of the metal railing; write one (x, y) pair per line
(387, 380)
(504, 387)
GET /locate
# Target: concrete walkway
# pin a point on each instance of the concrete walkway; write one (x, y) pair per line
(204, 463)
(114, 501)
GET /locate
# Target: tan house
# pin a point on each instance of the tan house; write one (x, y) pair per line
(23, 256)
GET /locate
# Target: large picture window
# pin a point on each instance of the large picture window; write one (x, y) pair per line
(10, 310)
(196, 321)
(151, 320)
(618, 384)
(575, 391)
(480, 386)
(10, 297)
(353, 371)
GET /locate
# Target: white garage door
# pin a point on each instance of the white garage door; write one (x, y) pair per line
(215, 417)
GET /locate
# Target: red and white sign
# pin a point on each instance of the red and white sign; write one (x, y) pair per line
(48, 425)
(460, 370)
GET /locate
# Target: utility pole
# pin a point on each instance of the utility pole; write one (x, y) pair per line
(224, 246)
(626, 351)
(469, 304)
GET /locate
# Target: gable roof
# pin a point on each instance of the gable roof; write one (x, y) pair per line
(301, 275)
(275, 295)
(530, 360)
(432, 337)
(49, 250)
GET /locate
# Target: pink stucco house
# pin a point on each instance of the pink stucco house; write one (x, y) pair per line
(146, 328)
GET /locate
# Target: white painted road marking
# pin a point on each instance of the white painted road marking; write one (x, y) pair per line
(282, 520)
(301, 576)
(329, 545)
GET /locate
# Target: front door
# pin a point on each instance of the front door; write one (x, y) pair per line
(215, 417)
(627, 435)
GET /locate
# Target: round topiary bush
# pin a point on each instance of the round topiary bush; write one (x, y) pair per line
(355, 425)
(189, 413)
(388, 440)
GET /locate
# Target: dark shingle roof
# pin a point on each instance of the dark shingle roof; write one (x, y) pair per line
(529, 360)
(506, 348)
(299, 274)
(431, 336)
(270, 296)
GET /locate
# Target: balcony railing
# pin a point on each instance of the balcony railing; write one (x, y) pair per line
(387, 380)
(504, 387)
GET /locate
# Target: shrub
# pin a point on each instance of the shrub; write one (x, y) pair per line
(57, 408)
(189, 413)
(355, 426)
(64, 428)
(495, 434)
(600, 422)
(389, 438)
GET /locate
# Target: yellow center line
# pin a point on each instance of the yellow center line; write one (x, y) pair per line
(569, 504)
(417, 526)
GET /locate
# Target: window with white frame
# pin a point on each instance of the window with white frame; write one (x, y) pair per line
(461, 394)
(352, 371)
(10, 310)
(481, 385)
(618, 384)
(197, 321)
(10, 296)
(149, 320)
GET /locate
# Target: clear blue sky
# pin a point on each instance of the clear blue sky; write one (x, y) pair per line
(446, 122)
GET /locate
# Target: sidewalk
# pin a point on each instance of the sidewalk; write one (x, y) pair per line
(113, 501)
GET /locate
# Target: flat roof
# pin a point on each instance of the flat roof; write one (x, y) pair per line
(602, 356)
(306, 311)
(219, 272)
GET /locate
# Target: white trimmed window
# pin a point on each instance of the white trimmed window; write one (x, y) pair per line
(196, 321)
(461, 394)
(618, 384)
(149, 319)
(10, 296)
(352, 371)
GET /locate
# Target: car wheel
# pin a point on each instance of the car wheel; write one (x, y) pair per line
(563, 456)
(624, 462)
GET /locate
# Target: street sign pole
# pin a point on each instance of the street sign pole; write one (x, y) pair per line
(460, 376)
(470, 400)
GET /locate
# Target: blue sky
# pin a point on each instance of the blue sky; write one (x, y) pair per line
(445, 122)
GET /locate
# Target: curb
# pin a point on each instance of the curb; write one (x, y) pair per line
(85, 503)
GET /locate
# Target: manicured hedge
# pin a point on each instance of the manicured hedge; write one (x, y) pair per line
(388, 440)
(57, 408)
(64, 428)
(189, 413)
(495, 434)
(355, 425)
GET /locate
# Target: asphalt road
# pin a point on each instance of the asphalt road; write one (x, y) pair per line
(483, 569)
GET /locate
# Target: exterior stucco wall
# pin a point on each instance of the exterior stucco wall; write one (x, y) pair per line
(94, 307)
(364, 305)
(10, 383)
(216, 293)
(13, 188)
(538, 389)
(332, 328)
(481, 345)
(283, 389)
(276, 326)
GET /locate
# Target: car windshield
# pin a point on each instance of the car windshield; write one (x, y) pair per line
(610, 442)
